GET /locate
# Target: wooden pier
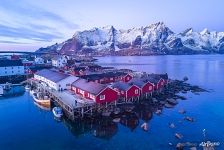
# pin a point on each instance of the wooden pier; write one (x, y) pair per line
(75, 106)
(72, 105)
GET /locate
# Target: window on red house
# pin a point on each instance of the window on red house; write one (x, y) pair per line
(102, 97)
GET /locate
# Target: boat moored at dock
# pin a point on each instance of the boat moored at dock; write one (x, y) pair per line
(9, 89)
(42, 100)
(57, 111)
(43, 107)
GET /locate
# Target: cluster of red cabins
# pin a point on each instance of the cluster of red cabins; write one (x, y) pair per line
(113, 86)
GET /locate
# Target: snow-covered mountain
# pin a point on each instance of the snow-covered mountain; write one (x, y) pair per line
(153, 39)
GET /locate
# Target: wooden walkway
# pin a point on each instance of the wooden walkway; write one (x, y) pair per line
(73, 105)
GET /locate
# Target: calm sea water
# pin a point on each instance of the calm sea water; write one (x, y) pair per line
(25, 126)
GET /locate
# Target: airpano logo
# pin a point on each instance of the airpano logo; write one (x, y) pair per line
(209, 144)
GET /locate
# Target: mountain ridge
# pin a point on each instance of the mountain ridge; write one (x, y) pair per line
(156, 38)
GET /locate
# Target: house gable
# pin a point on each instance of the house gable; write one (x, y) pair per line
(107, 95)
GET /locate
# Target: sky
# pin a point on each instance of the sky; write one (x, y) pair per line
(27, 25)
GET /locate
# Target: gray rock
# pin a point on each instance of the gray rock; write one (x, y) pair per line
(190, 119)
(193, 148)
(178, 135)
(172, 125)
(182, 111)
(180, 146)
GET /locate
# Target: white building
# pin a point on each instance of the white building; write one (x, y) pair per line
(55, 80)
(11, 67)
(59, 61)
(1, 90)
(39, 61)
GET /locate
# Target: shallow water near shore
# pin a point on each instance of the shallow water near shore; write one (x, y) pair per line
(25, 126)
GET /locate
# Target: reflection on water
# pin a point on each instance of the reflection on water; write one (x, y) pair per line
(106, 127)
(103, 128)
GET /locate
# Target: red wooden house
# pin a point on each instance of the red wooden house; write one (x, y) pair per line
(126, 77)
(165, 78)
(94, 91)
(146, 86)
(161, 83)
(127, 91)
(157, 80)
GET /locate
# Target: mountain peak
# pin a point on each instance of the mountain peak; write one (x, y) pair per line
(160, 27)
(109, 27)
(157, 25)
(160, 23)
(187, 31)
(205, 31)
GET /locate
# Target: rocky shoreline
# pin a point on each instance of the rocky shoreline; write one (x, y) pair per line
(129, 115)
(168, 98)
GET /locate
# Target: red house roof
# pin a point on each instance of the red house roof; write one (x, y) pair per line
(138, 82)
(91, 87)
(121, 86)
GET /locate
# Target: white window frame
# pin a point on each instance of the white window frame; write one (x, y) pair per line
(102, 97)
(150, 87)
(136, 91)
(82, 92)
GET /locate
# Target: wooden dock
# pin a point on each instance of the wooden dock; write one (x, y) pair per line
(75, 106)
(72, 105)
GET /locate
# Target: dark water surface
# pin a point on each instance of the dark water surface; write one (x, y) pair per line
(24, 126)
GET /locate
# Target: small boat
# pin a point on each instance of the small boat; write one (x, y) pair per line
(57, 111)
(42, 101)
(43, 107)
(9, 89)
(7, 86)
